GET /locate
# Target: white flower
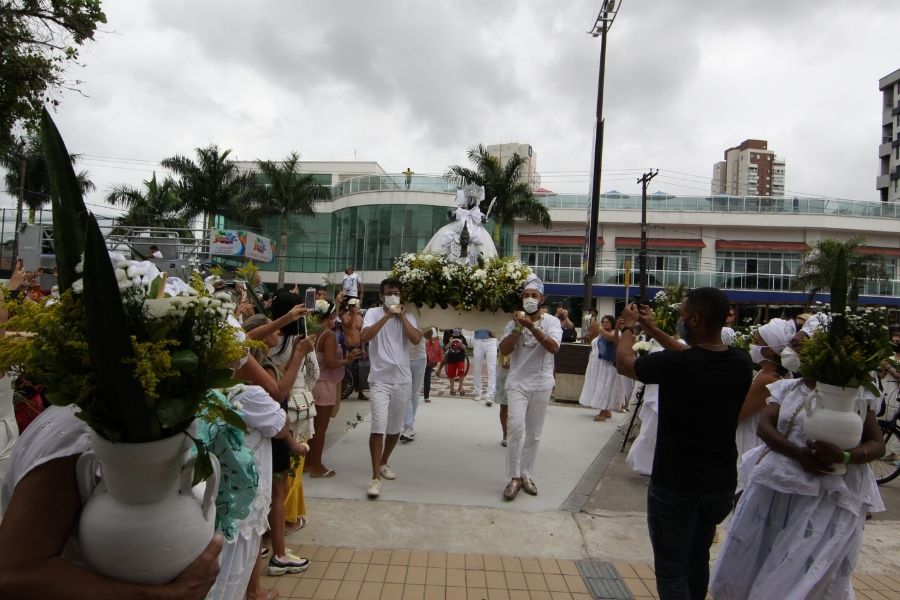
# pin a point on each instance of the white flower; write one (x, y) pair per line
(78, 286)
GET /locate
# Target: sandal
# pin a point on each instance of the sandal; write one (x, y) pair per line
(300, 524)
(321, 474)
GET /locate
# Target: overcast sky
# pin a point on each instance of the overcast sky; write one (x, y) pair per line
(414, 84)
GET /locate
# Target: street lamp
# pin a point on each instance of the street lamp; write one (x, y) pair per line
(608, 11)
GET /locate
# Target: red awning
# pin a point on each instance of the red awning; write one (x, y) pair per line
(555, 240)
(754, 246)
(878, 250)
(629, 242)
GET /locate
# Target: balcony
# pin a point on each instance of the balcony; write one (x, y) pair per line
(885, 149)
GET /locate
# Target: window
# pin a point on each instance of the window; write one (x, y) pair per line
(556, 264)
(756, 270)
(664, 267)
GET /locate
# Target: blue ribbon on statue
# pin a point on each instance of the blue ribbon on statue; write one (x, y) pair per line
(239, 476)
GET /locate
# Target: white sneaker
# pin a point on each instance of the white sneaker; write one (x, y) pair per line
(488, 401)
(374, 488)
(477, 398)
(387, 472)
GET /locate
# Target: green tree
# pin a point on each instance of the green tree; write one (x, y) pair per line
(29, 154)
(156, 205)
(211, 186)
(838, 268)
(503, 182)
(281, 191)
(38, 39)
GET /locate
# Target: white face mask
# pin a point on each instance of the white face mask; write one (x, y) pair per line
(391, 300)
(756, 354)
(531, 305)
(790, 360)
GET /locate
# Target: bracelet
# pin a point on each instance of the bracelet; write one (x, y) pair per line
(846, 457)
(627, 328)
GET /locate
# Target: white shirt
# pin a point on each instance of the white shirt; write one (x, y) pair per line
(350, 284)
(417, 351)
(532, 365)
(389, 349)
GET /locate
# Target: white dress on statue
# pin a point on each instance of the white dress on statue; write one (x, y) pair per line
(793, 534)
(602, 387)
(640, 456)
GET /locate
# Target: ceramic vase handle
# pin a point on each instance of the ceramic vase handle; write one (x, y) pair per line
(809, 402)
(861, 407)
(85, 470)
(212, 483)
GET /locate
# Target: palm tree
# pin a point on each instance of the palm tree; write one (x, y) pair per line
(503, 182)
(282, 191)
(157, 205)
(30, 155)
(839, 268)
(209, 187)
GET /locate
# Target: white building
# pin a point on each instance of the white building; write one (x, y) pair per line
(888, 181)
(529, 172)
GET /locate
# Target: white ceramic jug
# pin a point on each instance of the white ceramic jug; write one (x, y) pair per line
(142, 522)
(836, 418)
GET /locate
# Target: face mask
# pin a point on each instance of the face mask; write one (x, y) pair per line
(391, 300)
(756, 354)
(790, 360)
(684, 332)
(530, 305)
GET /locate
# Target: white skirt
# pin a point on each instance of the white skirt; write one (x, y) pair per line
(602, 387)
(782, 545)
(640, 456)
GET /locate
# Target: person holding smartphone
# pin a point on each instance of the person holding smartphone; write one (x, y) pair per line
(389, 331)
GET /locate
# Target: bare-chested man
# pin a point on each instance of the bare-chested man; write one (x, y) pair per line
(351, 323)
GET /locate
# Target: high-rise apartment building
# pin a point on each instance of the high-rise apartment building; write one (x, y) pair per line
(749, 169)
(888, 181)
(529, 173)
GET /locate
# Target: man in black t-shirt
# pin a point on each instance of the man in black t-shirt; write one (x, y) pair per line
(701, 390)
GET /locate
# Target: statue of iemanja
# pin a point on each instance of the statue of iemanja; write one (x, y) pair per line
(465, 239)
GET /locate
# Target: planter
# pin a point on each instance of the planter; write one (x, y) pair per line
(142, 522)
(835, 418)
(448, 318)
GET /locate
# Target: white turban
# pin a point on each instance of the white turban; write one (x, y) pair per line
(534, 283)
(776, 334)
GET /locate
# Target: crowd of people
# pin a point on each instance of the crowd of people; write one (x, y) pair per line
(795, 530)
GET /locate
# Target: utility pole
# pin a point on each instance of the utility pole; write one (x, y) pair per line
(608, 11)
(642, 273)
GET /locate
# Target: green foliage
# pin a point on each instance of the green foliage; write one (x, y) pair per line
(846, 350)
(157, 205)
(437, 280)
(503, 182)
(667, 307)
(37, 179)
(38, 40)
(839, 268)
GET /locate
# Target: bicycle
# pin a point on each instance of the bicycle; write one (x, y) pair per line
(348, 383)
(887, 468)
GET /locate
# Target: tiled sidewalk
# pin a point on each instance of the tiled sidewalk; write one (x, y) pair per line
(348, 574)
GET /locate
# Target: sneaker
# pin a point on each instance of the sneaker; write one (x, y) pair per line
(289, 563)
(387, 472)
(477, 398)
(428, 400)
(488, 401)
(374, 488)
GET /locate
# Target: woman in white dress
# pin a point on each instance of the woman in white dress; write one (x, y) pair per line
(797, 530)
(602, 387)
(640, 455)
(765, 351)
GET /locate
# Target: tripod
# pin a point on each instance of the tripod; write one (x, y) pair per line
(637, 408)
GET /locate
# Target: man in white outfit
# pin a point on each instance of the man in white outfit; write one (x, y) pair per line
(530, 340)
(485, 353)
(389, 331)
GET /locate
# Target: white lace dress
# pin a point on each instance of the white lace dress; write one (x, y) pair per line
(794, 534)
(602, 389)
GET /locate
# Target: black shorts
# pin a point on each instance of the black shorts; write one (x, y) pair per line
(281, 456)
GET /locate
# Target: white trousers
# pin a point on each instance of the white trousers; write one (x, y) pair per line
(417, 368)
(485, 352)
(524, 422)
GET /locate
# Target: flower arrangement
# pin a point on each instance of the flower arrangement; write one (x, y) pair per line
(847, 348)
(642, 347)
(667, 308)
(136, 361)
(492, 285)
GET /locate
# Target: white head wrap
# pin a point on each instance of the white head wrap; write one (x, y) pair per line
(534, 283)
(776, 334)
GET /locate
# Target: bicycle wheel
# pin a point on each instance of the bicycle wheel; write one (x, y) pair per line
(887, 467)
(347, 384)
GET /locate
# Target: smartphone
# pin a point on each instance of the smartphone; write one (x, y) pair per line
(301, 326)
(310, 299)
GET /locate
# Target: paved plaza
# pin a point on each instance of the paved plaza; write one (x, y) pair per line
(441, 530)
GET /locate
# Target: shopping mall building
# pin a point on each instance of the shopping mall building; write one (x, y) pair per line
(749, 246)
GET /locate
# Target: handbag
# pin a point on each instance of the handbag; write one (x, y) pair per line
(606, 350)
(301, 404)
